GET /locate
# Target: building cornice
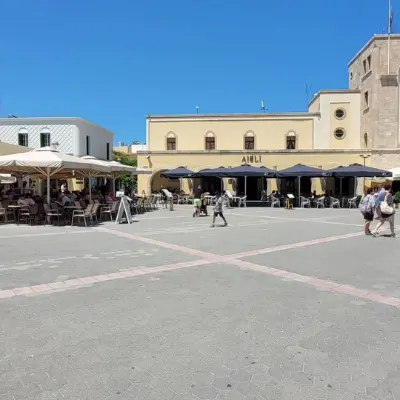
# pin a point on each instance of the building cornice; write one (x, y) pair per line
(49, 120)
(265, 152)
(333, 91)
(231, 117)
(370, 42)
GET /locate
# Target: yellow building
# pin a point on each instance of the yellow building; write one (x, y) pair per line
(332, 133)
(325, 137)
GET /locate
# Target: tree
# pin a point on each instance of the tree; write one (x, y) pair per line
(127, 181)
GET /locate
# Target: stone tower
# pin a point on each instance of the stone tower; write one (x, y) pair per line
(379, 91)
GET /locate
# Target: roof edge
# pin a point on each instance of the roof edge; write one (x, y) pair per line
(333, 91)
(370, 41)
(233, 115)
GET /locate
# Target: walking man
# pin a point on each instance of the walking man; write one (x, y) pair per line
(197, 201)
(218, 209)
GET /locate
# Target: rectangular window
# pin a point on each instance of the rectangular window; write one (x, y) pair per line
(210, 143)
(369, 63)
(107, 151)
(45, 139)
(365, 66)
(88, 145)
(171, 144)
(249, 143)
(366, 99)
(23, 139)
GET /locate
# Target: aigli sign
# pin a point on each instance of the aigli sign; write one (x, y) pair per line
(251, 159)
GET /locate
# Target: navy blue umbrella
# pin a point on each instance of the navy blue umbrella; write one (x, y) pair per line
(300, 170)
(217, 172)
(249, 170)
(358, 170)
(180, 172)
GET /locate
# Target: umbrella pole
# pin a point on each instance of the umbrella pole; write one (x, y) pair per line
(245, 187)
(113, 185)
(298, 205)
(341, 187)
(48, 185)
(90, 188)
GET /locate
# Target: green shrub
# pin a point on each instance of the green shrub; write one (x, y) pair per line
(396, 197)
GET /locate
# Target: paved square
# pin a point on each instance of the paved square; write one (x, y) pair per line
(279, 305)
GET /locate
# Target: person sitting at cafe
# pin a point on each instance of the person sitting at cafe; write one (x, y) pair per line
(26, 201)
(108, 198)
(65, 200)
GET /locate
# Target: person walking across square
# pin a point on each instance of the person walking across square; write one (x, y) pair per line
(218, 209)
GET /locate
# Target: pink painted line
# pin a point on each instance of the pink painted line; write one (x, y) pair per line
(294, 245)
(159, 243)
(81, 282)
(321, 283)
(40, 288)
(22, 291)
(234, 259)
(5, 294)
(57, 285)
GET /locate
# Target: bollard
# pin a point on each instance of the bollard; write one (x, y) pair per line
(171, 204)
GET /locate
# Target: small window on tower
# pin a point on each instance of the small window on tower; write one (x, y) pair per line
(369, 63)
(366, 99)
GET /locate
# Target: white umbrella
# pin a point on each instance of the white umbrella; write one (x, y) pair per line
(117, 169)
(47, 162)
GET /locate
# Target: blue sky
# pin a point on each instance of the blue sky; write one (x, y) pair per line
(115, 62)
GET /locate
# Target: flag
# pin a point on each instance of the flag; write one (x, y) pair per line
(391, 21)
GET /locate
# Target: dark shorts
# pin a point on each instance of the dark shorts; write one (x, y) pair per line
(368, 216)
(219, 213)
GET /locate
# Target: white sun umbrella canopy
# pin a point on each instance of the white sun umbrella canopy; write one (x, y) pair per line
(116, 168)
(47, 162)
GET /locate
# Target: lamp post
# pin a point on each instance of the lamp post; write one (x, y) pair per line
(364, 157)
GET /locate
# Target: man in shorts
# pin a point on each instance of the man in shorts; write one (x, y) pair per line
(197, 200)
(218, 209)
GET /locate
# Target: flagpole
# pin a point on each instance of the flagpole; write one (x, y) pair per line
(389, 33)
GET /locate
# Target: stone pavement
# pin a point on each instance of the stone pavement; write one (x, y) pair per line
(279, 305)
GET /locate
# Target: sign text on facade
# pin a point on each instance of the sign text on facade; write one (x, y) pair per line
(251, 159)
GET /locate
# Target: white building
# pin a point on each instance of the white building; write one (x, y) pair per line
(130, 148)
(70, 135)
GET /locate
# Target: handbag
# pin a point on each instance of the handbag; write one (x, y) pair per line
(385, 208)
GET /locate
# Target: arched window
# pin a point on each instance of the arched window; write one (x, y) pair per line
(291, 141)
(171, 141)
(210, 141)
(23, 137)
(45, 137)
(249, 141)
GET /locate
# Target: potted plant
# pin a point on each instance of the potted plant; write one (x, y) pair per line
(396, 199)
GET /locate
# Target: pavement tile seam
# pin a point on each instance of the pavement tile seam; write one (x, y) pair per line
(28, 235)
(208, 258)
(319, 283)
(233, 259)
(83, 282)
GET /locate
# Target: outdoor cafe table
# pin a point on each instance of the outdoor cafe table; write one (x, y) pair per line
(15, 208)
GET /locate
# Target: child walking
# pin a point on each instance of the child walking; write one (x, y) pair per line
(218, 209)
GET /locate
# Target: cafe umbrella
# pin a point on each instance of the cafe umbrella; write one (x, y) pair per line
(300, 170)
(220, 172)
(177, 173)
(358, 170)
(246, 171)
(47, 163)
